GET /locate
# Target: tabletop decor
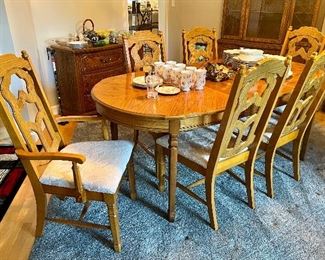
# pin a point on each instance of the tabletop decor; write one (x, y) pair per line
(246, 56)
(180, 76)
(219, 72)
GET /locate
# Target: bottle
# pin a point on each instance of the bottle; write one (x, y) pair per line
(133, 7)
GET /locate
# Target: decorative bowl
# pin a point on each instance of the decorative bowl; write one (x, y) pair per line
(218, 72)
(77, 44)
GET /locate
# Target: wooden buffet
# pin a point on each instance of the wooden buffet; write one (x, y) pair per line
(78, 70)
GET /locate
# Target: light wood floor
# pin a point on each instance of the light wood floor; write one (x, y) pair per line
(18, 225)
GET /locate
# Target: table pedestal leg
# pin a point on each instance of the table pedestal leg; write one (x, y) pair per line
(174, 129)
(114, 131)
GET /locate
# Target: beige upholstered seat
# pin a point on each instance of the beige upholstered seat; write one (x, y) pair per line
(196, 142)
(292, 124)
(211, 151)
(101, 172)
(86, 171)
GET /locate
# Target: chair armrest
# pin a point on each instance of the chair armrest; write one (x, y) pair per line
(85, 118)
(77, 158)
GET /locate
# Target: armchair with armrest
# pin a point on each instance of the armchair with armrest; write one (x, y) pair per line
(86, 170)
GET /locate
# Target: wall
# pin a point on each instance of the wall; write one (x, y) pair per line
(185, 14)
(34, 22)
(5, 46)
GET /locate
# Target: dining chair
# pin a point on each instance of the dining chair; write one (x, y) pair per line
(199, 45)
(301, 44)
(213, 150)
(87, 171)
(143, 49)
(291, 125)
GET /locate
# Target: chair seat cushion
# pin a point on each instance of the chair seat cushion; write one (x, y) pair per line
(270, 127)
(195, 145)
(102, 171)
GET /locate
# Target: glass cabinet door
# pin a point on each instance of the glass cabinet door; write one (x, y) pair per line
(266, 18)
(233, 18)
(304, 13)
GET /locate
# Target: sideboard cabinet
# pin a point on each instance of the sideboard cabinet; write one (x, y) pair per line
(78, 70)
(263, 23)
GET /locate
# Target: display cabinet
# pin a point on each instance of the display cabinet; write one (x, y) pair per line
(263, 23)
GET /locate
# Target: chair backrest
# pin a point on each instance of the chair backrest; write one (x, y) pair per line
(143, 48)
(304, 100)
(302, 43)
(29, 134)
(254, 92)
(199, 45)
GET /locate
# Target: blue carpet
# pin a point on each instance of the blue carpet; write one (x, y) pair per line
(291, 226)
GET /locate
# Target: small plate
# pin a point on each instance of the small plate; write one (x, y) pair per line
(139, 82)
(167, 90)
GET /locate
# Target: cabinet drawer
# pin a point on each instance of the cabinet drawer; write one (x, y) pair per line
(101, 60)
(90, 80)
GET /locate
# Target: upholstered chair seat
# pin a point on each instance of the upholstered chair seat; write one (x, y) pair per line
(101, 172)
(195, 145)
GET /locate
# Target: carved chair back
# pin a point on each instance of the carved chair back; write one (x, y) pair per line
(305, 98)
(143, 48)
(255, 91)
(302, 43)
(26, 132)
(199, 45)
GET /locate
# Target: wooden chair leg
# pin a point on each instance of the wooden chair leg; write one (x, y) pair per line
(249, 178)
(210, 198)
(296, 157)
(160, 167)
(136, 136)
(305, 141)
(111, 202)
(269, 160)
(105, 129)
(41, 207)
(130, 170)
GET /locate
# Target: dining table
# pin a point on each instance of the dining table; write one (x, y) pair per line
(121, 103)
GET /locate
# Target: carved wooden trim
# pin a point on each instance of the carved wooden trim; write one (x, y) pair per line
(237, 133)
(293, 43)
(134, 47)
(191, 38)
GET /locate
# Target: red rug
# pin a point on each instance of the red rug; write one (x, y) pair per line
(12, 175)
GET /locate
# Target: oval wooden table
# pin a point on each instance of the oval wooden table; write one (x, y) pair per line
(122, 104)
